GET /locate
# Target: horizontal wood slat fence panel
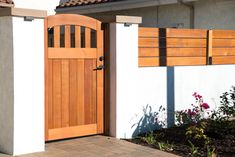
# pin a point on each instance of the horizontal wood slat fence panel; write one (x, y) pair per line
(223, 47)
(182, 47)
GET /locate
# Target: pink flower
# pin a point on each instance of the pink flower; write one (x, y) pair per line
(205, 106)
(191, 113)
(199, 96)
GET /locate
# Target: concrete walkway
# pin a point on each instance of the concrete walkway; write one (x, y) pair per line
(96, 146)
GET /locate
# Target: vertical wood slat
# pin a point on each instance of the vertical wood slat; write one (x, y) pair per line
(80, 92)
(73, 93)
(50, 93)
(107, 81)
(57, 36)
(65, 82)
(77, 36)
(56, 94)
(100, 80)
(87, 37)
(88, 91)
(47, 82)
(209, 46)
(67, 36)
(94, 94)
(65, 93)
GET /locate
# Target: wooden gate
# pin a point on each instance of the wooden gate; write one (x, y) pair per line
(74, 76)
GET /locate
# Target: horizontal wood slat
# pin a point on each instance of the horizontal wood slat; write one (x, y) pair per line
(148, 32)
(179, 42)
(223, 60)
(75, 131)
(149, 61)
(148, 42)
(224, 51)
(173, 52)
(71, 53)
(224, 43)
(224, 34)
(186, 33)
(173, 47)
(171, 61)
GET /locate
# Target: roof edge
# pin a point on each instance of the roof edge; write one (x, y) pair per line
(115, 6)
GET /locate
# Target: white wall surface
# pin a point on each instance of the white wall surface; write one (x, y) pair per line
(215, 14)
(157, 16)
(28, 40)
(133, 88)
(209, 14)
(48, 5)
(6, 85)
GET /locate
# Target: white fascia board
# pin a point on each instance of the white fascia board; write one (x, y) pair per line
(115, 6)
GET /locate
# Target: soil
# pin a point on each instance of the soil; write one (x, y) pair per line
(221, 135)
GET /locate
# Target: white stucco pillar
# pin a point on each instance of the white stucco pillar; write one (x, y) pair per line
(21, 81)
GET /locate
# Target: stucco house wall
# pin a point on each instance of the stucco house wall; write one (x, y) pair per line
(208, 14)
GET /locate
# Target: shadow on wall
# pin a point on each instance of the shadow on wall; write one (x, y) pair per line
(150, 120)
(170, 96)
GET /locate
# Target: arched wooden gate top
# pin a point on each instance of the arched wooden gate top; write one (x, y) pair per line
(73, 19)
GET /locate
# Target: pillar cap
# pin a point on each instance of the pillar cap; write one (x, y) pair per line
(121, 19)
(20, 12)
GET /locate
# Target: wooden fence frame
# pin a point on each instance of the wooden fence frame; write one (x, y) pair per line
(185, 47)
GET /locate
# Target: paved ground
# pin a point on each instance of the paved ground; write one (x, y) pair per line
(96, 146)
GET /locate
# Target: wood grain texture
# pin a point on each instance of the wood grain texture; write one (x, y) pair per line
(65, 93)
(80, 92)
(64, 53)
(73, 93)
(100, 80)
(74, 90)
(88, 92)
(224, 51)
(224, 43)
(190, 43)
(57, 94)
(75, 131)
(224, 34)
(88, 37)
(148, 32)
(148, 42)
(186, 33)
(171, 61)
(223, 60)
(77, 36)
(71, 19)
(57, 36)
(155, 52)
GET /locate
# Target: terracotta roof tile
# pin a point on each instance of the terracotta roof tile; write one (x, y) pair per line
(73, 3)
(7, 1)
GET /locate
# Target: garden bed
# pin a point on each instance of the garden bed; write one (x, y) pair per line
(174, 140)
(199, 131)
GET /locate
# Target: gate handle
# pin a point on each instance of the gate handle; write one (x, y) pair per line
(100, 67)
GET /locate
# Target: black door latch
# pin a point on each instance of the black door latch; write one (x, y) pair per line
(100, 67)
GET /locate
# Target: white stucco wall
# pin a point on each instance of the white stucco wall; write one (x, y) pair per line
(48, 5)
(21, 85)
(157, 16)
(133, 88)
(6, 85)
(211, 14)
(28, 41)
